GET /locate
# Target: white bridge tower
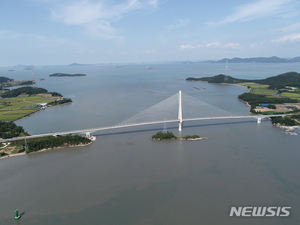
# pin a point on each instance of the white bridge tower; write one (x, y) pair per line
(179, 112)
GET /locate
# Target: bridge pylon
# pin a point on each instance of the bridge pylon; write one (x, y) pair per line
(179, 112)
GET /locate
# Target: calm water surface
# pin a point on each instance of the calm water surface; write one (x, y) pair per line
(125, 178)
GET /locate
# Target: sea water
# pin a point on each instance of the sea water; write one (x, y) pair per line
(126, 178)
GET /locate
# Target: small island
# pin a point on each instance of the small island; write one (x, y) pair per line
(273, 95)
(170, 136)
(66, 75)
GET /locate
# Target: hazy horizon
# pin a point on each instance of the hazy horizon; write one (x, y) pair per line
(61, 32)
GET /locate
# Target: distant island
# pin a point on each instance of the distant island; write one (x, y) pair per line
(273, 95)
(66, 75)
(273, 59)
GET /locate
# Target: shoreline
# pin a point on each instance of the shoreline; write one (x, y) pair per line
(42, 150)
(40, 111)
(181, 139)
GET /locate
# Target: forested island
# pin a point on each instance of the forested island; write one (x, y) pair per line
(273, 59)
(273, 95)
(170, 136)
(66, 75)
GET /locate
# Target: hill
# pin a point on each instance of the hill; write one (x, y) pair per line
(221, 78)
(275, 82)
(273, 59)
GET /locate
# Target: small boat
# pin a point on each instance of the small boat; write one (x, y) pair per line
(149, 67)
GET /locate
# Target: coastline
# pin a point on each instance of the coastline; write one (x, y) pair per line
(40, 111)
(181, 138)
(45, 149)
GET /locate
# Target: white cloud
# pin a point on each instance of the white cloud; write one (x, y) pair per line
(179, 23)
(259, 9)
(188, 46)
(97, 16)
(288, 38)
(211, 45)
(232, 45)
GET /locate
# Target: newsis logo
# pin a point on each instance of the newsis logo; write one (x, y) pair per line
(260, 211)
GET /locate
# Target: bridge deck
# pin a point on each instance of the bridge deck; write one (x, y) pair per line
(91, 130)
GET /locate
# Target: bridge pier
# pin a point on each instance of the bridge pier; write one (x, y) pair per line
(258, 120)
(88, 134)
(180, 126)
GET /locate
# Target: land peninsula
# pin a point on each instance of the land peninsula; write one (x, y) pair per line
(66, 75)
(21, 102)
(273, 95)
(21, 147)
(9, 82)
(24, 101)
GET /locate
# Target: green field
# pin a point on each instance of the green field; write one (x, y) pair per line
(290, 95)
(263, 91)
(248, 84)
(12, 109)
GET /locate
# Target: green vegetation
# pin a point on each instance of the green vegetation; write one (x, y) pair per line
(163, 136)
(275, 82)
(37, 144)
(255, 100)
(191, 137)
(282, 80)
(23, 90)
(23, 101)
(169, 135)
(262, 91)
(62, 101)
(287, 121)
(10, 129)
(5, 79)
(280, 89)
(28, 82)
(55, 142)
(218, 79)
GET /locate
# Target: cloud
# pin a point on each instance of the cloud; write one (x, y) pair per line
(97, 16)
(288, 38)
(290, 28)
(211, 45)
(259, 9)
(188, 46)
(179, 23)
(232, 45)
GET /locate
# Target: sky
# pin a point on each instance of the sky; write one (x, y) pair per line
(51, 32)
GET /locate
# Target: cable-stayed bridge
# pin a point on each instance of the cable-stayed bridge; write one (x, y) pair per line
(177, 108)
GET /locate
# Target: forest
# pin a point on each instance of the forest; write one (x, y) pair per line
(56, 142)
(23, 90)
(10, 129)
